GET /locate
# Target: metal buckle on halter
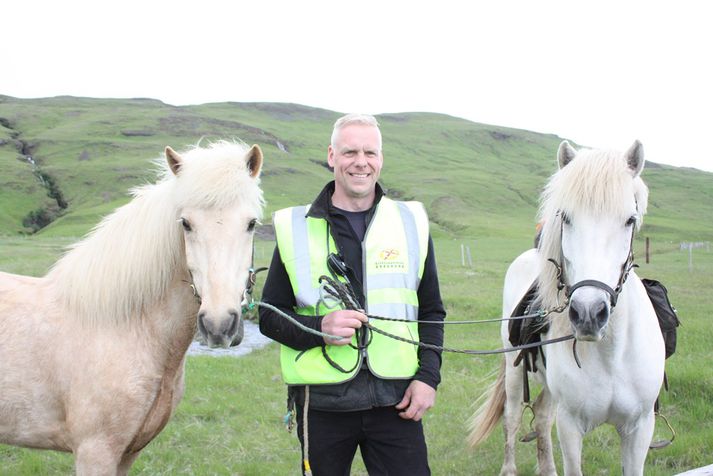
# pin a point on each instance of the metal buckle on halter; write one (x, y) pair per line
(248, 304)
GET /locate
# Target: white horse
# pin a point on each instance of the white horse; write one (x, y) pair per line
(92, 354)
(590, 209)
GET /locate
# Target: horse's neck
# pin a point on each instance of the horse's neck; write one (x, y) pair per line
(123, 268)
(172, 321)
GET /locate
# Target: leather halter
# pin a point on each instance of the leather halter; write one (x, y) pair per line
(247, 302)
(626, 267)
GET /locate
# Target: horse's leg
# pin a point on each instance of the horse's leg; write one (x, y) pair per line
(570, 436)
(635, 440)
(96, 457)
(125, 464)
(511, 414)
(544, 417)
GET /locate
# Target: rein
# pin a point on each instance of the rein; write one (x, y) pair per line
(341, 291)
(408, 341)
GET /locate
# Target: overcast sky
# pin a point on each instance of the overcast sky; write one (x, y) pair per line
(602, 73)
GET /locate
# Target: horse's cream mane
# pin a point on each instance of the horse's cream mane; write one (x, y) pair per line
(595, 181)
(125, 264)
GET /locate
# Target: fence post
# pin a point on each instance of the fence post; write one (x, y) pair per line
(647, 250)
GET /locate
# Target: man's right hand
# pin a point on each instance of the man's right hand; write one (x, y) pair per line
(343, 323)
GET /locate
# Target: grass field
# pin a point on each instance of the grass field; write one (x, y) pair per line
(230, 420)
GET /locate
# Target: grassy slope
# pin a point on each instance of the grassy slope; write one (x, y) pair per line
(475, 180)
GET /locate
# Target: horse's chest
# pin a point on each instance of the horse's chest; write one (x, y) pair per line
(165, 399)
(597, 394)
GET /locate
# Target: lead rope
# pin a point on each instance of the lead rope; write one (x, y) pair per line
(305, 434)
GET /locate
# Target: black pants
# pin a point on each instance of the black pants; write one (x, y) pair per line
(389, 444)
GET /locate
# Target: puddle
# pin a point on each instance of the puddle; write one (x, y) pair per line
(252, 339)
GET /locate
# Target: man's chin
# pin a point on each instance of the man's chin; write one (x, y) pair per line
(360, 192)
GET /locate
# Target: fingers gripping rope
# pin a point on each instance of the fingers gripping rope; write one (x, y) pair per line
(296, 322)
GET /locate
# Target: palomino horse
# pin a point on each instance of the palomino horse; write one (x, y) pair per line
(92, 354)
(590, 208)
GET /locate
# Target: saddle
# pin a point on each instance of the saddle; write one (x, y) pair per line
(527, 331)
(665, 312)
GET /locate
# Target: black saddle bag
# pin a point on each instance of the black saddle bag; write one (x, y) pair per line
(666, 313)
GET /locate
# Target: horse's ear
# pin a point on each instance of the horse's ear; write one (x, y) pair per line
(254, 160)
(635, 158)
(175, 161)
(565, 153)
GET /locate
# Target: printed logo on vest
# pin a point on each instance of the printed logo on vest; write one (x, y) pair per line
(389, 259)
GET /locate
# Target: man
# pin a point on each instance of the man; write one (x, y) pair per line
(365, 390)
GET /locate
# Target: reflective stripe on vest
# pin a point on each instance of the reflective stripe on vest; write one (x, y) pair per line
(393, 263)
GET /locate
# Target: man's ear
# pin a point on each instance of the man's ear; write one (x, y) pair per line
(330, 158)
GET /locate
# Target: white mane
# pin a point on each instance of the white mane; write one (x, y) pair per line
(596, 181)
(127, 261)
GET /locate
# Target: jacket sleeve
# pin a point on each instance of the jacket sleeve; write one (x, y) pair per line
(278, 292)
(430, 308)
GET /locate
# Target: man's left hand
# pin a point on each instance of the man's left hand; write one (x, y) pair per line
(419, 397)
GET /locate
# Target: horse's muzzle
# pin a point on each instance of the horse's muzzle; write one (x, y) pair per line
(589, 319)
(222, 331)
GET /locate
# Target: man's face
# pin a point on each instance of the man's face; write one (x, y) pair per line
(356, 158)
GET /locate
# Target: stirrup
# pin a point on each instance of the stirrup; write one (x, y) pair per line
(532, 433)
(657, 445)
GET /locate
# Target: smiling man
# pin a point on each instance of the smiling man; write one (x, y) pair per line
(364, 390)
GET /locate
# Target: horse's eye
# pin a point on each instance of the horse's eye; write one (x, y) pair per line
(186, 224)
(565, 219)
(251, 225)
(631, 221)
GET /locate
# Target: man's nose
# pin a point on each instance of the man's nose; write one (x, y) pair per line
(360, 159)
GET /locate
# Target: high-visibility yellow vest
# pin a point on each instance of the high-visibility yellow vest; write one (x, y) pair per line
(393, 253)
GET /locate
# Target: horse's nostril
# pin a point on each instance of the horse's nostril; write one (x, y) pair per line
(201, 323)
(601, 312)
(574, 313)
(233, 322)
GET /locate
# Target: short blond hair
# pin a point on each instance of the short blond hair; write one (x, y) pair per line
(352, 119)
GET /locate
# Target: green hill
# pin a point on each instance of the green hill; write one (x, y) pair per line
(67, 161)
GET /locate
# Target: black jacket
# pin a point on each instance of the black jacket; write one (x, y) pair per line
(365, 390)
